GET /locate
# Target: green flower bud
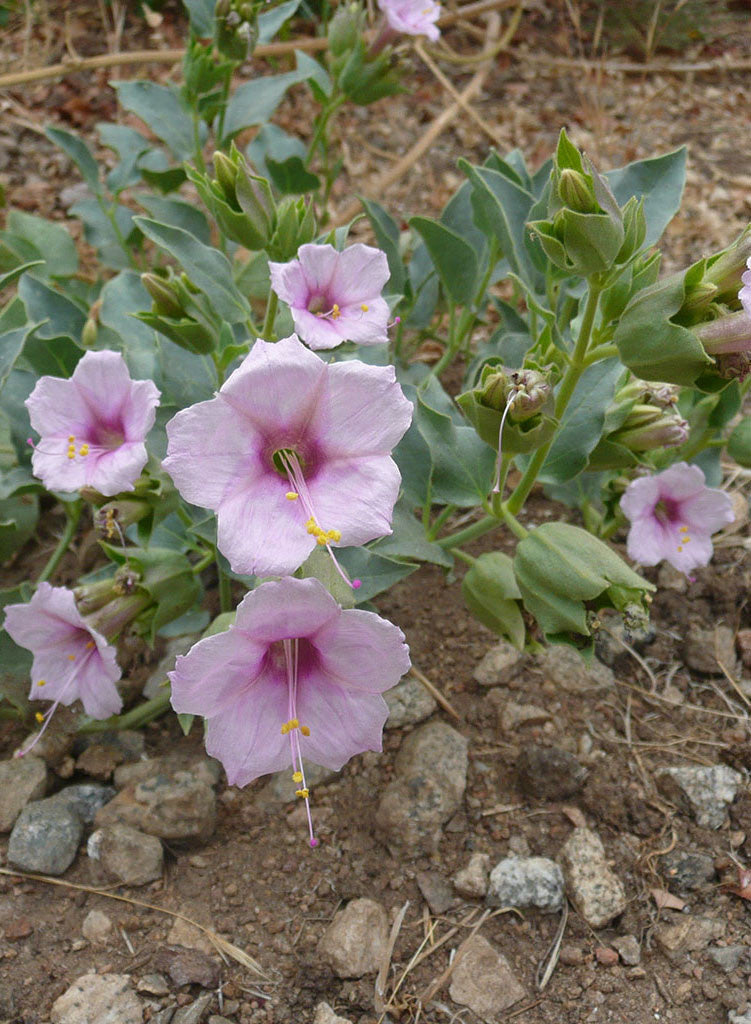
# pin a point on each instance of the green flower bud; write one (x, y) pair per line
(524, 396)
(345, 28)
(648, 427)
(112, 519)
(225, 170)
(724, 270)
(118, 614)
(295, 225)
(726, 335)
(163, 295)
(575, 192)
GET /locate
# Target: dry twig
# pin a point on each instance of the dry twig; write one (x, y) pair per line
(435, 693)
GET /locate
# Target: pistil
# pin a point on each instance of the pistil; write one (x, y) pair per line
(294, 729)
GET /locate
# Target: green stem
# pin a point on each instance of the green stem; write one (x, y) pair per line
(482, 526)
(267, 331)
(73, 511)
(198, 149)
(570, 379)
(458, 553)
(439, 520)
(599, 352)
(225, 587)
(136, 717)
(203, 563)
(513, 523)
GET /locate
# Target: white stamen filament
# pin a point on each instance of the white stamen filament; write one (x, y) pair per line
(291, 662)
(48, 714)
(497, 478)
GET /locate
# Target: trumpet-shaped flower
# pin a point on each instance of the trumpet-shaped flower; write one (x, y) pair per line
(335, 296)
(292, 452)
(92, 426)
(296, 678)
(673, 516)
(413, 17)
(72, 661)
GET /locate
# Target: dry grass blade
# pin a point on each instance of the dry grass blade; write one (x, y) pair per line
(224, 948)
(435, 693)
(383, 973)
(435, 986)
(548, 963)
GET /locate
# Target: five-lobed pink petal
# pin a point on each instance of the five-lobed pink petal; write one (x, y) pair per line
(92, 426)
(673, 516)
(342, 420)
(335, 296)
(72, 661)
(238, 680)
(413, 17)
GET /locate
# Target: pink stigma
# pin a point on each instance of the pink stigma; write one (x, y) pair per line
(313, 842)
(30, 441)
(356, 584)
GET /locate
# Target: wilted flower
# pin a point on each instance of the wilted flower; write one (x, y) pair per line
(292, 452)
(72, 660)
(673, 516)
(335, 296)
(92, 426)
(413, 17)
(296, 677)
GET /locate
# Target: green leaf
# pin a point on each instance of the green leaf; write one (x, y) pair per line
(130, 146)
(491, 593)
(51, 241)
(15, 661)
(100, 233)
(660, 181)
(166, 180)
(18, 520)
(121, 297)
(739, 443)
(272, 141)
(178, 214)
(583, 421)
(453, 258)
(208, 269)
(271, 21)
(163, 110)
(201, 13)
(291, 177)
(408, 539)
(11, 346)
(255, 102)
(79, 153)
(375, 572)
(386, 231)
(13, 275)
(62, 317)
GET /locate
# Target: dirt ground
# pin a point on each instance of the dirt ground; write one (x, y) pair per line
(255, 881)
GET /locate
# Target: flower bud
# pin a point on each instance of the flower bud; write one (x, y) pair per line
(532, 391)
(163, 295)
(345, 28)
(226, 175)
(112, 519)
(575, 192)
(115, 616)
(725, 270)
(90, 597)
(648, 427)
(295, 226)
(726, 335)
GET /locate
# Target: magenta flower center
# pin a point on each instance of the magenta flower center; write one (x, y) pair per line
(667, 510)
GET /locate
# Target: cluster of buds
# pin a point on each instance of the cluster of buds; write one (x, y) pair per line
(586, 232)
(180, 312)
(362, 73)
(236, 28)
(520, 400)
(642, 417)
(245, 210)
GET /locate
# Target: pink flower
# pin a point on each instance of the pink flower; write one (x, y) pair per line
(673, 516)
(72, 661)
(745, 293)
(292, 452)
(335, 296)
(296, 677)
(413, 17)
(92, 426)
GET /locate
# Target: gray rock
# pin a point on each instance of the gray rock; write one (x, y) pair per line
(355, 942)
(705, 649)
(153, 985)
(133, 857)
(409, 703)
(325, 1015)
(515, 716)
(687, 934)
(526, 882)
(97, 928)
(685, 871)
(280, 789)
(85, 799)
(596, 892)
(739, 1018)
(706, 791)
(472, 881)
(436, 891)
(182, 806)
(609, 642)
(75, 193)
(428, 788)
(628, 949)
(501, 663)
(483, 980)
(565, 667)
(196, 1012)
(22, 779)
(206, 769)
(549, 773)
(98, 999)
(45, 837)
(728, 957)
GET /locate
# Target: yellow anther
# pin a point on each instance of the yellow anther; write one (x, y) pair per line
(311, 526)
(293, 723)
(42, 682)
(83, 450)
(297, 777)
(291, 495)
(686, 540)
(364, 308)
(71, 657)
(90, 645)
(71, 452)
(285, 729)
(321, 539)
(71, 439)
(304, 793)
(335, 312)
(680, 547)
(334, 535)
(39, 717)
(684, 529)
(305, 730)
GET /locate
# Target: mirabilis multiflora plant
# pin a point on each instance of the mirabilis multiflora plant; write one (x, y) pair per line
(254, 416)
